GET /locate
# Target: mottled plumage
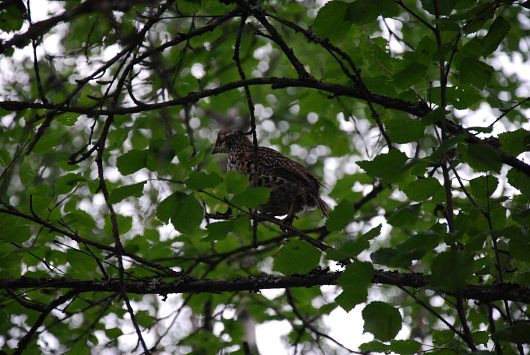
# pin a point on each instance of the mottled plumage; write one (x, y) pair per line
(293, 187)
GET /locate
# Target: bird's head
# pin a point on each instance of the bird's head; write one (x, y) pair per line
(228, 139)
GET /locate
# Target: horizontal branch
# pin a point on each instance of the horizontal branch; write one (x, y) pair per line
(418, 109)
(484, 293)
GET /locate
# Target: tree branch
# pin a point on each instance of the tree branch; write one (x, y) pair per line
(484, 293)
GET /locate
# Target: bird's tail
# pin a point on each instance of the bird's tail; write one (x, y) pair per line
(322, 206)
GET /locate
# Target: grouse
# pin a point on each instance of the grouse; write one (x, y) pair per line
(293, 187)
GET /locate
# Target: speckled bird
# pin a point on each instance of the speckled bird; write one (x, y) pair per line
(293, 187)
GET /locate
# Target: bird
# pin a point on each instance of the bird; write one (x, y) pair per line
(293, 188)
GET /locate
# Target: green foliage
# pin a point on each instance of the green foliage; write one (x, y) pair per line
(351, 248)
(520, 181)
(355, 280)
(482, 157)
(183, 211)
(12, 15)
(122, 192)
(518, 333)
(451, 270)
(199, 180)
(498, 30)
(475, 72)
(423, 189)
(235, 182)
(341, 215)
(252, 197)
(131, 161)
(515, 142)
(389, 166)
(296, 257)
(382, 320)
(404, 130)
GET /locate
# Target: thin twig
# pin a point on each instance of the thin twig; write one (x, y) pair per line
(309, 326)
(24, 342)
(241, 72)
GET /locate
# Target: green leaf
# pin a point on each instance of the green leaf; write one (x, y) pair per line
(382, 320)
(425, 50)
(132, 161)
(483, 187)
(352, 248)
(408, 346)
(113, 333)
(235, 182)
(144, 319)
(252, 197)
(124, 224)
(387, 166)
(442, 337)
(190, 6)
(406, 215)
(386, 256)
(199, 180)
(464, 96)
(343, 188)
(520, 181)
(184, 212)
(12, 15)
(68, 119)
(79, 347)
(340, 216)
(330, 21)
(354, 281)
(515, 142)
(444, 6)
(498, 30)
(351, 297)
(356, 275)
(451, 270)
(519, 243)
(423, 189)
(29, 168)
(364, 11)
(482, 157)
(475, 72)
(374, 346)
(219, 230)
(79, 218)
(481, 337)
(296, 257)
(518, 333)
(67, 182)
(80, 264)
(14, 229)
(122, 192)
(409, 76)
(403, 130)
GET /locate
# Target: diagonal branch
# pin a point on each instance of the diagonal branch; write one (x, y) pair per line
(24, 342)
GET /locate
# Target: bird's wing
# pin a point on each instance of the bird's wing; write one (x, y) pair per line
(280, 165)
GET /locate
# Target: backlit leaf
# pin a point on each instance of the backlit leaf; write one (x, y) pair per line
(382, 320)
(296, 257)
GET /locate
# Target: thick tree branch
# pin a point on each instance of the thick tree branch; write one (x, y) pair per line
(484, 293)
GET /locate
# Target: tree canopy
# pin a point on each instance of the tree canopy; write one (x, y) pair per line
(119, 229)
